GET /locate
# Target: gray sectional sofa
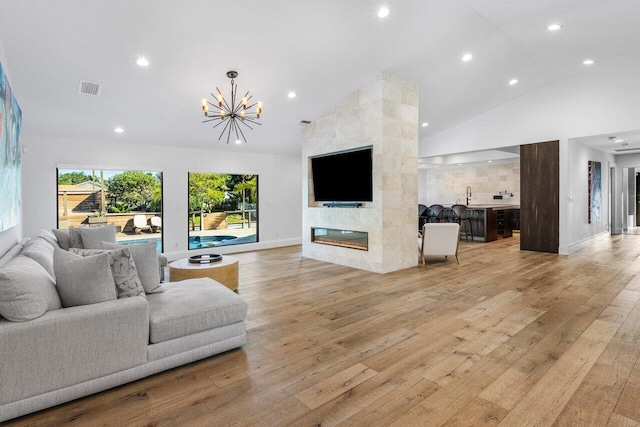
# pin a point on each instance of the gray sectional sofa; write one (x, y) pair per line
(68, 353)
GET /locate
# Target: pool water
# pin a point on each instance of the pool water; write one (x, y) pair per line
(195, 242)
(138, 241)
(199, 242)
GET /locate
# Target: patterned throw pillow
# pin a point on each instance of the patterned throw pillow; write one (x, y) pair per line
(123, 269)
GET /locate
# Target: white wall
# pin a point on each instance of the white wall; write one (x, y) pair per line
(580, 231)
(280, 217)
(11, 236)
(569, 108)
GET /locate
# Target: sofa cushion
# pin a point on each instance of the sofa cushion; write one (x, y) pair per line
(92, 236)
(63, 237)
(192, 306)
(82, 281)
(13, 252)
(41, 251)
(123, 270)
(145, 255)
(27, 291)
(75, 238)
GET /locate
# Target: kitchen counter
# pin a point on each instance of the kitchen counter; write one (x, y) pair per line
(490, 221)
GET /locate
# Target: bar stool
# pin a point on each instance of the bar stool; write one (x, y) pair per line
(458, 211)
(436, 211)
(423, 216)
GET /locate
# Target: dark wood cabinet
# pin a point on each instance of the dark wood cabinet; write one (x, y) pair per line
(540, 197)
(491, 223)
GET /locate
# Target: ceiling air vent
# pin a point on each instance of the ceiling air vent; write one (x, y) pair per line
(303, 123)
(620, 150)
(89, 88)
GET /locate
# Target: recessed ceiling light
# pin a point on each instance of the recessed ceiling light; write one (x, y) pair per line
(142, 61)
(588, 62)
(118, 130)
(490, 161)
(238, 141)
(459, 164)
(292, 95)
(619, 140)
(512, 82)
(554, 27)
(383, 12)
(425, 124)
(467, 57)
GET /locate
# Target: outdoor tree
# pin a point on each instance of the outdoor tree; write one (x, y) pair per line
(207, 191)
(131, 190)
(72, 178)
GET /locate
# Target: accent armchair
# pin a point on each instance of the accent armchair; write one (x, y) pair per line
(439, 239)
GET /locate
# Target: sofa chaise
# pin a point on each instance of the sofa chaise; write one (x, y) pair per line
(67, 353)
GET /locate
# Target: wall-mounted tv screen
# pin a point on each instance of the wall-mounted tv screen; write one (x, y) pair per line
(343, 177)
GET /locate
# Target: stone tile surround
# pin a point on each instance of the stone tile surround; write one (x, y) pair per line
(382, 114)
(448, 184)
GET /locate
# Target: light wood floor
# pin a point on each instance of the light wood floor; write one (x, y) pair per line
(507, 337)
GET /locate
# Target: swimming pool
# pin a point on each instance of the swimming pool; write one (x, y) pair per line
(199, 242)
(138, 241)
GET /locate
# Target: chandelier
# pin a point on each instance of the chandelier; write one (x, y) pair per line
(237, 112)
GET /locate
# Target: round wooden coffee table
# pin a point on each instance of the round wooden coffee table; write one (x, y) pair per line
(224, 271)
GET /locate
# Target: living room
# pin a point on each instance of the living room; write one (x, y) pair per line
(464, 106)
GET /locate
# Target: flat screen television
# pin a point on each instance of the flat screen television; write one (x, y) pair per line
(343, 177)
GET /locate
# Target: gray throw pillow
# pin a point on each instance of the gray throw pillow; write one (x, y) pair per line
(27, 291)
(75, 239)
(123, 269)
(145, 256)
(82, 281)
(92, 236)
(63, 237)
(41, 251)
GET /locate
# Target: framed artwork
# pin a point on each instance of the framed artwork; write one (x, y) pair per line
(10, 155)
(595, 192)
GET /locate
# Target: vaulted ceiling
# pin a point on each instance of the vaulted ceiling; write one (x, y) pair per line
(322, 50)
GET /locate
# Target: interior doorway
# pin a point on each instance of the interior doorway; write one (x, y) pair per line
(631, 200)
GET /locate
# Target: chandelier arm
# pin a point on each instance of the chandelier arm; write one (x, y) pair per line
(224, 129)
(215, 105)
(236, 127)
(211, 119)
(251, 121)
(221, 122)
(241, 133)
(223, 100)
(246, 125)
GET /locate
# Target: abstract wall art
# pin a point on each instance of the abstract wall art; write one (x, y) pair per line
(595, 192)
(10, 155)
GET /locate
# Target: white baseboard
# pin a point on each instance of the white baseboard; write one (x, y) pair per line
(575, 247)
(228, 250)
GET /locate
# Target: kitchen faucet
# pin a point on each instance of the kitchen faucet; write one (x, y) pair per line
(468, 194)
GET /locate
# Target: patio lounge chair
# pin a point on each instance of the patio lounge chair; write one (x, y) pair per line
(140, 223)
(156, 223)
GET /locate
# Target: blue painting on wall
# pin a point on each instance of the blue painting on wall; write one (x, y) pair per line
(595, 192)
(10, 155)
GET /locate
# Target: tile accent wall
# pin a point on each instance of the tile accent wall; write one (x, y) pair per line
(382, 114)
(447, 184)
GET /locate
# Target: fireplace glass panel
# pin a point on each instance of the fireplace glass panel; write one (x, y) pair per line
(343, 238)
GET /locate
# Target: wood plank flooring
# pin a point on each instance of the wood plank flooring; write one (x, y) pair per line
(507, 338)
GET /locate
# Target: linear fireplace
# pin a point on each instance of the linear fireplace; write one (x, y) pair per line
(343, 238)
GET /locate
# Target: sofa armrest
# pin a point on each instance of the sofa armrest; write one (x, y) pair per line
(71, 345)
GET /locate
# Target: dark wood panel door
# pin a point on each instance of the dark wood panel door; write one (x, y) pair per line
(540, 196)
